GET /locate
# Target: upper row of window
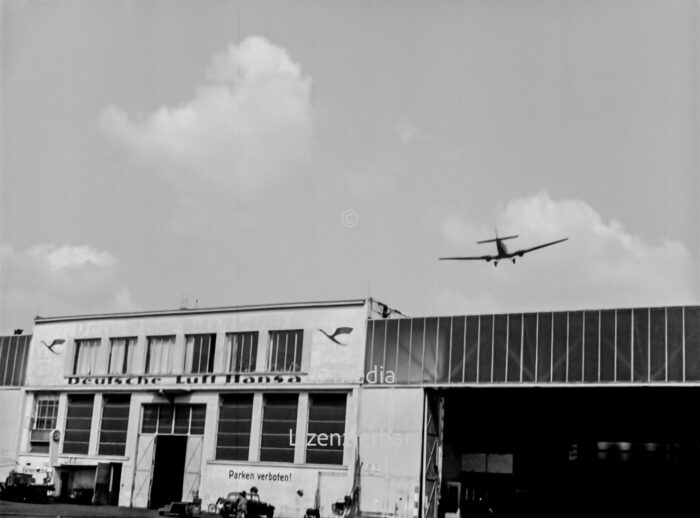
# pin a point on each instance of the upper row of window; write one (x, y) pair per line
(240, 353)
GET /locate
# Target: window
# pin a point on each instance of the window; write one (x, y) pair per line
(159, 354)
(173, 419)
(121, 355)
(233, 435)
(241, 351)
(327, 424)
(285, 351)
(279, 427)
(115, 422)
(43, 421)
(78, 423)
(86, 356)
(199, 353)
(13, 359)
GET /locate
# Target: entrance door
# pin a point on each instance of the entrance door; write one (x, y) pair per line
(168, 470)
(115, 483)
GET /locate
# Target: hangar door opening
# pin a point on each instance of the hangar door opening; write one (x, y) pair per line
(569, 451)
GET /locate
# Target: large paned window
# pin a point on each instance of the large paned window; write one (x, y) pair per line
(199, 353)
(326, 428)
(233, 435)
(279, 427)
(115, 422)
(173, 419)
(160, 353)
(86, 356)
(43, 421)
(241, 351)
(285, 351)
(121, 355)
(78, 423)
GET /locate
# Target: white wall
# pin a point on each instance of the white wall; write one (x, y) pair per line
(391, 430)
(11, 402)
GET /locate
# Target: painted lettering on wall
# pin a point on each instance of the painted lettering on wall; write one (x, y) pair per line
(261, 477)
(203, 379)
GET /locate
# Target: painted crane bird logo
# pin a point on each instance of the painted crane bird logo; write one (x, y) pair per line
(338, 332)
(56, 342)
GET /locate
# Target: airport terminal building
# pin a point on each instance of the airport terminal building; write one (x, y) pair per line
(141, 409)
(550, 413)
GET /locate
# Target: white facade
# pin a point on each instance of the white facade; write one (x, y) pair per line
(328, 365)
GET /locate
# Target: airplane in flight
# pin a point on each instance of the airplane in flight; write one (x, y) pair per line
(503, 252)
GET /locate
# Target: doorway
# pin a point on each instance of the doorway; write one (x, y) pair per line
(168, 470)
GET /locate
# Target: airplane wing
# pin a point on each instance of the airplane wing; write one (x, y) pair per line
(476, 258)
(524, 251)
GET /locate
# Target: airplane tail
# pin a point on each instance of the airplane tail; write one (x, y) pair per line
(495, 239)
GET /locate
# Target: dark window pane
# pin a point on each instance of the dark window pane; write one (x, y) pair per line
(485, 347)
(417, 350)
(442, 350)
(113, 429)
(279, 427)
(575, 346)
(376, 359)
(624, 345)
(429, 358)
(198, 414)
(529, 347)
(182, 419)
(285, 350)
(242, 351)
(165, 419)
(150, 419)
(78, 424)
(327, 421)
(591, 346)
(641, 344)
(675, 344)
(607, 345)
(544, 347)
(391, 349)
(402, 375)
(471, 353)
(233, 434)
(515, 335)
(692, 343)
(500, 348)
(560, 347)
(456, 360)
(658, 344)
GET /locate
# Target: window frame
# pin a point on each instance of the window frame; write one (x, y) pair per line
(273, 351)
(95, 343)
(130, 347)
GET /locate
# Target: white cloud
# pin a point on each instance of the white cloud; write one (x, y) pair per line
(602, 264)
(249, 124)
(56, 280)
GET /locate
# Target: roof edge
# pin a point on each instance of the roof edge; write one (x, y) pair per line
(38, 320)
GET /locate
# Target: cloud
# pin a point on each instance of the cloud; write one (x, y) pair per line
(250, 123)
(56, 280)
(602, 264)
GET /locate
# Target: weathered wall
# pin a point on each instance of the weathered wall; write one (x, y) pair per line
(391, 430)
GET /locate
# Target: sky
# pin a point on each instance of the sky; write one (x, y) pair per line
(159, 154)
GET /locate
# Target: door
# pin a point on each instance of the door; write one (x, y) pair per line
(103, 475)
(143, 471)
(168, 470)
(452, 499)
(115, 483)
(193, 468)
